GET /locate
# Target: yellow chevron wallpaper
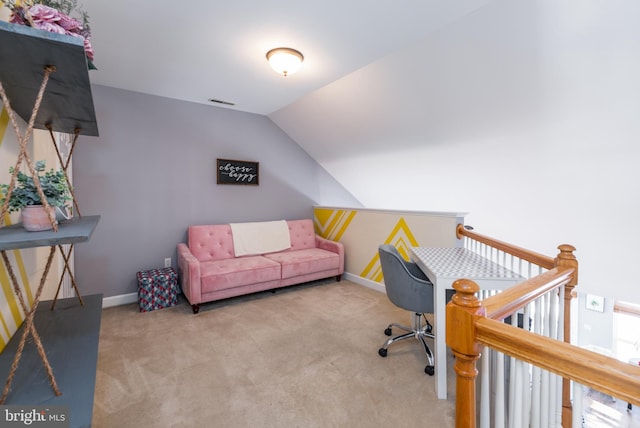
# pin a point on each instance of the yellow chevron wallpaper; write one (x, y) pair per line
(11, 314)
(28, 264)
(361, 231)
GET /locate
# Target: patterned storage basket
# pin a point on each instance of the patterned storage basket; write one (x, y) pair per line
(157, 289)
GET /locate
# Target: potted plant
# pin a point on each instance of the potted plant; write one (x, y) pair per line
(25, 196)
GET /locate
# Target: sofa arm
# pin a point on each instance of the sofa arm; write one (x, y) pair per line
(334, 247)
(189, 274)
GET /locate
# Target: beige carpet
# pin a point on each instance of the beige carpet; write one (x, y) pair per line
(305, 356)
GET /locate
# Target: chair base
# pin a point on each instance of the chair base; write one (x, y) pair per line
(419, 332)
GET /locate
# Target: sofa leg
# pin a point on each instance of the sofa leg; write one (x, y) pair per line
(338, 278)
(195, 308)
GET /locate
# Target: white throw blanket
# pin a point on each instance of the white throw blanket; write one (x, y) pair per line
(260, 237)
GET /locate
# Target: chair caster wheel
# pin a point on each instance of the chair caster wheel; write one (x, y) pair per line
(429, 370)
(387, 331)
(382, 352)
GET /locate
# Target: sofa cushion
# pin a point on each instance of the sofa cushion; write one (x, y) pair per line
(236, 272)
(211, 242)
(301, 262)
(302, 234)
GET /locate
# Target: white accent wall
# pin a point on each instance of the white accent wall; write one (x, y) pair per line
(526, 114)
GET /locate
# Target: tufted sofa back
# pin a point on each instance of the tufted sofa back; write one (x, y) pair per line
(215, 242)
(211, 242)
(302, 234)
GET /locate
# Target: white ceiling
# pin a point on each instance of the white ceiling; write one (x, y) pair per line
(205, 49)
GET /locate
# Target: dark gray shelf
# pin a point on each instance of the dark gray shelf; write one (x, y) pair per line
(70, 335)
(69, 232)
(67, 103)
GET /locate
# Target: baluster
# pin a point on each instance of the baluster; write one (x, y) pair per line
(553, 379)
(513, 388)
(500, 393)
(485, 389)
(537, 371)
(527, 369)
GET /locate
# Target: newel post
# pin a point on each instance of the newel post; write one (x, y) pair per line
(566, 258)
(462, 312)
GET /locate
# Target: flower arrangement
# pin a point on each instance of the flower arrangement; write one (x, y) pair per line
(53, 16)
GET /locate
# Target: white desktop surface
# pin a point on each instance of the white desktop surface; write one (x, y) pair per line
(443, 266)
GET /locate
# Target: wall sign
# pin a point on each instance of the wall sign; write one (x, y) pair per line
(237, 172)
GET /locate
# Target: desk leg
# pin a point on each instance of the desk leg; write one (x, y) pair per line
(440, 343)
(28, 326)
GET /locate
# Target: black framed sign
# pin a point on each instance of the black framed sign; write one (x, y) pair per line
(237, 172)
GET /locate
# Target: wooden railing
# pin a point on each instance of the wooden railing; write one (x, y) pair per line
(473, 324)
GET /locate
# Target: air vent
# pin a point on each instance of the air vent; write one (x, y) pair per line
(227, 103)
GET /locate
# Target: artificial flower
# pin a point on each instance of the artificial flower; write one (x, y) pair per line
(53, 20)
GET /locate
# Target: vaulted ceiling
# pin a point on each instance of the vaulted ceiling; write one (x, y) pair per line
(203, 49)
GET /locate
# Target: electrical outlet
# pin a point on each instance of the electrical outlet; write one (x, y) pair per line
(167, 262)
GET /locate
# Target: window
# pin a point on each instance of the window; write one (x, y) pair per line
(626, 324)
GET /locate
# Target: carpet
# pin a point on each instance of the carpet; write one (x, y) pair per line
(304, 356)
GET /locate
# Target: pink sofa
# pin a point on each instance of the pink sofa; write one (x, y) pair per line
(209, 270)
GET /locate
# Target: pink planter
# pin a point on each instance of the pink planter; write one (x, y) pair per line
(35, 219)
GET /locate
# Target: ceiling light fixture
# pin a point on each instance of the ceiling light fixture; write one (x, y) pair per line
(285, 61)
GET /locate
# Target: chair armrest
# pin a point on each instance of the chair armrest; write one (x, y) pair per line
(334, 247)
(189, 274)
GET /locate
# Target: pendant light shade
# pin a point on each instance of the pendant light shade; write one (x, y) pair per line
(285, 61)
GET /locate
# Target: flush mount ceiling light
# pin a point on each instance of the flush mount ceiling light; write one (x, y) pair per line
(285, 61)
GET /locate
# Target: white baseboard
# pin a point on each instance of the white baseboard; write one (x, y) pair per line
(122, 299)
(365, 282)
(125, 299)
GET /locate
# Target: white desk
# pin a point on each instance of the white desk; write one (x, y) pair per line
(443, 266)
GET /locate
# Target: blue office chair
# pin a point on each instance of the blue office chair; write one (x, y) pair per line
(408, 288)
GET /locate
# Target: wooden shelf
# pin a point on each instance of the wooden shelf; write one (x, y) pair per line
(69, 232)
(68, 103)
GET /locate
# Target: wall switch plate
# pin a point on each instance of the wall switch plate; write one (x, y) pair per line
(167, 262)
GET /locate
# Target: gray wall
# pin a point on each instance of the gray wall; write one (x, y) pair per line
(151, 174)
